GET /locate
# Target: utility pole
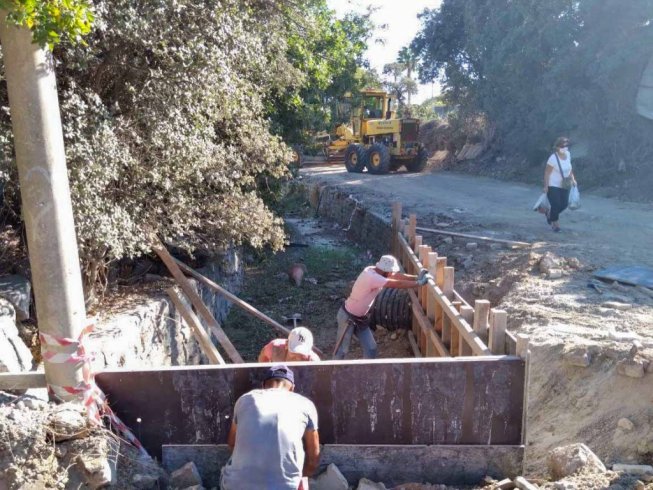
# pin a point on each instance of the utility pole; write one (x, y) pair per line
(45, 194)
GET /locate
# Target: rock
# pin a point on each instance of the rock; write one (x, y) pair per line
(67, 421)
(574, 263)
(35, 403)
(625, 425)
(448, 240)
(186, 476)
(554, 273)
(633, 368)
(98, 464)
(145, 482)
(523, 484)
(471, 246)
(567, 460)
(14, 354)
(577, 357)
(195, 487)
(565, 485)
(496, 246)
(394, 336)
(505, 484)
(18, 291)
(549, 261)
(615, 305)
(365, 484)
(639, 485)
(643, 471)
(331, 479)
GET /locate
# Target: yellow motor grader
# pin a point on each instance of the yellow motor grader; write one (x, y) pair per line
(375, 139)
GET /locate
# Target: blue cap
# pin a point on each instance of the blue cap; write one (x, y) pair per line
(279, 371)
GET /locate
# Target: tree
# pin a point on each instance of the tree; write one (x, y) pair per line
(400, 86)
(166, 125)
(541, 69)
(408, 58)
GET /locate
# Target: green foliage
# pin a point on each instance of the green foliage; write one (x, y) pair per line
(51, 21)
(166, 127)
(540, 69)
(327, 57)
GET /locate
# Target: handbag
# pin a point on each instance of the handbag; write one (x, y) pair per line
(567, 182)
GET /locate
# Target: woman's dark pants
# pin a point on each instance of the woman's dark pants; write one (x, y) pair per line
(559, 200)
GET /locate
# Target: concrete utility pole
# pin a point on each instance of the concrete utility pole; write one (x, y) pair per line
(45, 193)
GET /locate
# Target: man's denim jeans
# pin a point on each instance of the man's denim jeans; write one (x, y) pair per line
(365, 337)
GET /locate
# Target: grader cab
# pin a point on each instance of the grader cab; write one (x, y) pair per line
(375, 139)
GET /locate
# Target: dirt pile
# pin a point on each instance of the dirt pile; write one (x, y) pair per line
(43, 445)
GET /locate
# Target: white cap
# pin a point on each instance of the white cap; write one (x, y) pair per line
(388, 263)
(300, 341)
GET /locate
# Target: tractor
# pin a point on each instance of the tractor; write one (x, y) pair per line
(375, 139)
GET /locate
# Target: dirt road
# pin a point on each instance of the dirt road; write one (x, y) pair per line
(605, 231)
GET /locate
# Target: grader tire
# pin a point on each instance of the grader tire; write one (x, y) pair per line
(378, 159)
(355, 158)
(418, 163)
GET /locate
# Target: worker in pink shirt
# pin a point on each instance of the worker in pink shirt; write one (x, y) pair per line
(297, 347)
(353, 317)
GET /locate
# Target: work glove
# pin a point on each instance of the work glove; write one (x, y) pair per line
(423, 277)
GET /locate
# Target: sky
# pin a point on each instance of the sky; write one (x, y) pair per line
(403, 24)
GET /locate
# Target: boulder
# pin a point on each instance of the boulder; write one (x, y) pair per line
(633, 368)
(186, 476)
(14, 354)
(67, 421)
(365, 484)
(567, 460)
(331, 479)
(97, 462)
(18, 291)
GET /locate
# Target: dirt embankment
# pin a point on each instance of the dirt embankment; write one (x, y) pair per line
(473, 150)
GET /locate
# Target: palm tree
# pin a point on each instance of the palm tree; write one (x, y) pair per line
(408, 59)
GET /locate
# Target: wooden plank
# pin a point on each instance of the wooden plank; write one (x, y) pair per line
(440, 265)
(460, 465)
(511, 344)
(498, 324)
(523, 351)
(396, 219)
(412, 226)
(238, 302)
(481, 318)
(418, 243)
(424, 324)
(22, 381)
(467, 312)
(413, 344)
(455, 336)
(473, 237)
(195, 325)
(197, 303)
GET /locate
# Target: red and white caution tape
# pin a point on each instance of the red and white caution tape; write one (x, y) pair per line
(93, 398)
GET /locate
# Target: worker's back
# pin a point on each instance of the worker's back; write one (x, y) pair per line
(268, 452)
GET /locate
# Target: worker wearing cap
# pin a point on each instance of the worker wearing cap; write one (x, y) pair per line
(353, 317)
(297, 347)
(270, 429)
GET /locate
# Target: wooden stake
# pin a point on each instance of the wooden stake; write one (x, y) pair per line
(481, 322)
(196, 301)
(238, 302)
(412, 225)
(430, 300)
(455, 336)
(194, 323)
(440, 265)
(524, 352)
(418, 243)
(396, 219)
(467, 312)
(498, 324)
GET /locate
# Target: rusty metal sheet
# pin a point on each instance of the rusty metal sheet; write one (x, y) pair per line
(400, 401)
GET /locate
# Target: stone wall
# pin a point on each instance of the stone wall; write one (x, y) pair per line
(368, 228)
(152, 334)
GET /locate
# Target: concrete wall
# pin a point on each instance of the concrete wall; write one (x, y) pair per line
(150, 333)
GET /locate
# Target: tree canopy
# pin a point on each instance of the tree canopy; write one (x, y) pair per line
(540, 69)
(174, 113)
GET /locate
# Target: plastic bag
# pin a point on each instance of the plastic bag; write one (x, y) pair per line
(574, 198)
(542, 205)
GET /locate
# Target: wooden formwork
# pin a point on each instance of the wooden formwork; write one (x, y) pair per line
(444, 324)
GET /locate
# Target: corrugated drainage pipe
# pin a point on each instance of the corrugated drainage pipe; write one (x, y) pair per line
(392, 310)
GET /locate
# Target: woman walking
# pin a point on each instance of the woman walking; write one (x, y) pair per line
(558, 180)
